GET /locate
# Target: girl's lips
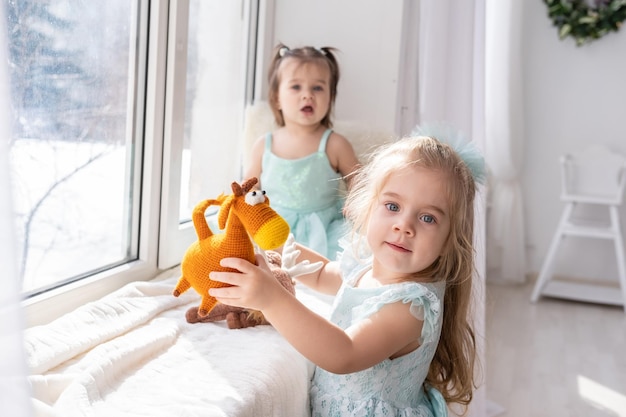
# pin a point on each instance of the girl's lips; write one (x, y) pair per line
(397, 246)
(307, 109)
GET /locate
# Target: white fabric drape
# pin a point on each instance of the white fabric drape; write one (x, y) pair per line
(14, 394)
(506, 253)
(451, 90)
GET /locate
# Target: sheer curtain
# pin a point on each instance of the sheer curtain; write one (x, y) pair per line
(451, 82)
(506, 252)
(14, 394)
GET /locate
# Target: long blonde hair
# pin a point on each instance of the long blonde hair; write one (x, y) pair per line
(452, 368)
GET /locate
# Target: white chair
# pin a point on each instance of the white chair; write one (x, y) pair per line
(594, 176)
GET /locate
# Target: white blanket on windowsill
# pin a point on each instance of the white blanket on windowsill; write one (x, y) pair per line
(132, 353)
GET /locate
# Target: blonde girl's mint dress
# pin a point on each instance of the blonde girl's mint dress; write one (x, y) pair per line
(393, 387)
(305, 192)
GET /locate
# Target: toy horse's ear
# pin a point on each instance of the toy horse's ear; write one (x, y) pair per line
(245, 186)
(249, 184)
(236, 189)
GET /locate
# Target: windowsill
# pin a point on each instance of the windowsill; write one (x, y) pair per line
(44, 308)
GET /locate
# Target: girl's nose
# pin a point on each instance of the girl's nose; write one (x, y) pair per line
(405, 227)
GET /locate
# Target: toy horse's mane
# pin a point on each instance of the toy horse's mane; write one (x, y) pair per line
(239, 190)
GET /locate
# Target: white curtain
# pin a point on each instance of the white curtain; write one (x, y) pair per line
(451, 87)
(14, 394)
(506, 253)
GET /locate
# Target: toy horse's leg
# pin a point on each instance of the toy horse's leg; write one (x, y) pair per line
(182, 286)
(206, 306)
(218, 313)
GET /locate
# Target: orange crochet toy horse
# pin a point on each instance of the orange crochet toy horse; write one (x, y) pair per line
(246, 216)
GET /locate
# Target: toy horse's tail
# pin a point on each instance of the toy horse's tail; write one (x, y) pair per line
(199, 221)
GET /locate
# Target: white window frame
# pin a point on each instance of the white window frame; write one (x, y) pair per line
(43, 308)
(162, 240)
(175, 237)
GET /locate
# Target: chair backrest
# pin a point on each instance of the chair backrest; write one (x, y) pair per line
(594, 175)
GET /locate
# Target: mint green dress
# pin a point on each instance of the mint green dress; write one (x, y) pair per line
(393, 387)
(305, 192)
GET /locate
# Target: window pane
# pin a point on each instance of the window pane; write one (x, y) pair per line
(209, 42)
(74, 79)
(214, 101)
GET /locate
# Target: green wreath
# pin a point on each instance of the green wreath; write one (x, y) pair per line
(585, 23)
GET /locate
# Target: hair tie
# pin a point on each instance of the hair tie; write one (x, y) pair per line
(321, 51)
(466, 150)
(283, 51)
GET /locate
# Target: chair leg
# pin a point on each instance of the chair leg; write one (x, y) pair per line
(546, 269)
(619, 252)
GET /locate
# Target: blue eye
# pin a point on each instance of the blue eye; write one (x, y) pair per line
(392, 207)
(427, 218)
(318, 88)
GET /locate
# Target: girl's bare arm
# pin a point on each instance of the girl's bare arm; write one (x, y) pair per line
(342, 156)
(383, 335)
(326, 280)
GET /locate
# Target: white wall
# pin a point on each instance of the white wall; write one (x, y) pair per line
(368, 36)
(572, 96)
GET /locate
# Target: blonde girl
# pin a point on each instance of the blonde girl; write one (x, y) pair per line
(399, 341)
